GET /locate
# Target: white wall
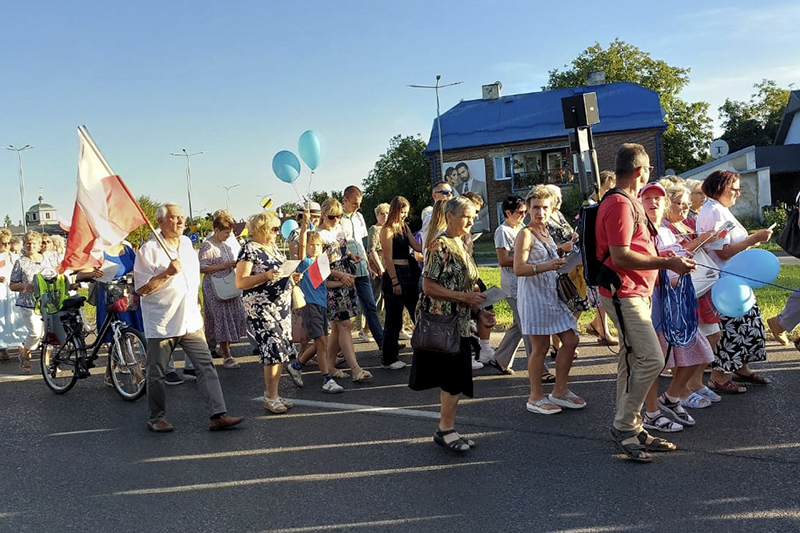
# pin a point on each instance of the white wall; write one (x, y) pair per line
(793, 136)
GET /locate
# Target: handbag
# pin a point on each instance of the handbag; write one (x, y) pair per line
(436, 333)
(567, 291)
(299, 334)
(225, 287)
(789, 239)
(298, 300)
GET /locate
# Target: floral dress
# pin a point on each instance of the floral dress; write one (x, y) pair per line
(269, 306)
(342, 301)
(448, 265)
(224, 319)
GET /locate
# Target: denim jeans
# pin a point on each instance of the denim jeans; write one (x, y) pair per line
(365, 296)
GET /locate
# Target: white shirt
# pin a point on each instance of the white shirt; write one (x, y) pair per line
(355, 231)
(504, 237)
(173, 310)
(712, 216)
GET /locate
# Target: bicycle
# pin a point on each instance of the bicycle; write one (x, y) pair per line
(65, 356)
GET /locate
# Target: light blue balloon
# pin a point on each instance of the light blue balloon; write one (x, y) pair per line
(757, 264)
(308, 147)
(732, 296)
(289, 225)
(286, 166)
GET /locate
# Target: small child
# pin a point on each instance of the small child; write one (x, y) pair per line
(315, 318)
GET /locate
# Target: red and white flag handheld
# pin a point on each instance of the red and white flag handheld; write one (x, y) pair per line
(319, 270)
(105, 211)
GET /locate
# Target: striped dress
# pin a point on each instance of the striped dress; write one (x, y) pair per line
(541, 312)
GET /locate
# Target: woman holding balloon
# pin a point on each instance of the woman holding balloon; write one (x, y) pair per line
(742, 334)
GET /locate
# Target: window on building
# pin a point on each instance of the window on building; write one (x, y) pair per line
(47, 215)
(529, 168)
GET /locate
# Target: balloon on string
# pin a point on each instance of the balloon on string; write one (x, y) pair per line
(286, 166)
(760, 265)
(289, 225)
(732, 296)
(309, 149)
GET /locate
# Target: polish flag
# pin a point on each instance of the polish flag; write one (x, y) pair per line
(319, 270)
(105, 211)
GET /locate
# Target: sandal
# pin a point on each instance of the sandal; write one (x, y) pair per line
(547, 377)
(540, 406)
(696, 401)
(755, 379)
(635, 451)
(362, 375)
(457, 445)
(591, 331)
(275, 406)
(705, 392)
(339, 374)
(655, 444)
(675, 410)
(607, 341)
(661, 423)
(506, 371)
(570, 400)
(726, 387)
(230, 362)
(339, 360)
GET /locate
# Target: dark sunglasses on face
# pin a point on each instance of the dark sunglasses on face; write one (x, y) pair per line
(446, 192)
(334, 217)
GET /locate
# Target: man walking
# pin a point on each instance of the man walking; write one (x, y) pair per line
(355, 231)
(629, 271)
(168, 286)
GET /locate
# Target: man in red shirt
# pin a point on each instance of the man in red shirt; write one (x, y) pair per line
(625, 243)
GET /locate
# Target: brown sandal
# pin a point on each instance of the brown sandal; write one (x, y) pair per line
(755, 379)
(726, 387)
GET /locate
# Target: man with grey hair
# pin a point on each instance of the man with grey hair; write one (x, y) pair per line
(168, 286)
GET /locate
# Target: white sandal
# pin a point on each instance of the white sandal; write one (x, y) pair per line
(230, 362)
(661, 423)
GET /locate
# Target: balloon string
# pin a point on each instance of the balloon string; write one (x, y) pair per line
(749, 279)
(298, 194)
(310, 180)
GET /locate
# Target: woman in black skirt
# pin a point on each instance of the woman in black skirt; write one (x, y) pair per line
(448, 286)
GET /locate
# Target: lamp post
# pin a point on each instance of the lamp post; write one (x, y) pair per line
(438, 116)
(21, 181)
(188, 156)
(228, 195)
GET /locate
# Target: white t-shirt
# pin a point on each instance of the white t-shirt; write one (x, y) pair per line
(173, 310)
(504, 237)
(711, 216)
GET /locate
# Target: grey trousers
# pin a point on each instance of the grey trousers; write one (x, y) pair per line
(196, 350)
(790, 316)
(504, 354)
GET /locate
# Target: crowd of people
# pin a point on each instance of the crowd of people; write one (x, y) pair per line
(294, 320)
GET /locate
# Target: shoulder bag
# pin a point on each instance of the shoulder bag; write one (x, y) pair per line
(225, 286)
(436, 333)
(565, 288)
(789, 238)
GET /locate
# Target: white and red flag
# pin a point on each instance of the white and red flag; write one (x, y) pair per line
(105, 211)
(319, 270)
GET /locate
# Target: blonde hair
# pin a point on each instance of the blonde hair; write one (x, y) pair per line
(58, 243)
(331, 207)
(258, 225)
(437, 222)
(540, 192)
(313, 236)
(4, 232)
(382, 208)
(33, 236)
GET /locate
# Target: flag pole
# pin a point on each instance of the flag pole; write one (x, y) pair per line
(88, 138)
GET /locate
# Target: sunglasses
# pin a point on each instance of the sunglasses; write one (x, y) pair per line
(334, 217)
(446, 192)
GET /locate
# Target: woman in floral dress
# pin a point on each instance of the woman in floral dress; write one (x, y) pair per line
(267, 299)
(342, 297)
(224, 319)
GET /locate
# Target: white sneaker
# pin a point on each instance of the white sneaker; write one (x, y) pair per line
(364, 337)
(397, 365)
(487, 354)
(331, 387)
(297, 375)
(476, 365)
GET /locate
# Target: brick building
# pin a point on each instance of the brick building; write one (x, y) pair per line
(518, 141)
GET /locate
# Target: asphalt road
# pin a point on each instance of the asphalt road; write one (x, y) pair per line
(364, 460)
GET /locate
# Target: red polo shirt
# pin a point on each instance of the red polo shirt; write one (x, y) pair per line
(621, 222)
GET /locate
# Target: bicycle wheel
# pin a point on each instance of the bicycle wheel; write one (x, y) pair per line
(59, 364)
(128, 358)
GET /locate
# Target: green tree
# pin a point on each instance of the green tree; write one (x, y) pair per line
(403, 170)
(7, 222)
(149, 206)
(289, 209)
(688, 134)
(321, 196)
(755, 122)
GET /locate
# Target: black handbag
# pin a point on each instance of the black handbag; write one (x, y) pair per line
(436, 333)
(789, 239)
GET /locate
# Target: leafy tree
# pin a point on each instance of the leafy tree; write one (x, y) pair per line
(321, 196)
(755, 122)
(403, 170)
(138, 236)
(289, 209)
(7, 222)
(688, 133)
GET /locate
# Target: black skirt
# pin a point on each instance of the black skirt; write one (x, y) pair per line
(450, 372)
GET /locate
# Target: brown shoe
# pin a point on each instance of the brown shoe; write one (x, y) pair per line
(160, 426)
(778, 333)
(224, 422)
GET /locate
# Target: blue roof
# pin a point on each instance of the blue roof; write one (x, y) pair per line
(524, 117)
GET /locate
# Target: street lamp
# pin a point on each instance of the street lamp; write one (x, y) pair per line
(228, 195)
(21, 181)
(188, 156)
(438, 117)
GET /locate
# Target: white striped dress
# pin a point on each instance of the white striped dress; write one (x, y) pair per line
(541, 312)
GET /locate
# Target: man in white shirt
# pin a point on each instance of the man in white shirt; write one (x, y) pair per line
(168, 286)
(469, 184)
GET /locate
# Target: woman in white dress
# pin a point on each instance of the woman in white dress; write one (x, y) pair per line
(541, 312)
(12, 333)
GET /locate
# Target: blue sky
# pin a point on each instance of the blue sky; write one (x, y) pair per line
(243, 79)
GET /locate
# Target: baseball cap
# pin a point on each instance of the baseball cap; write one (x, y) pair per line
(653, 186)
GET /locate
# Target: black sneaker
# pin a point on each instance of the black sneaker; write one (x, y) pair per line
(172, 378)
(189, 374)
